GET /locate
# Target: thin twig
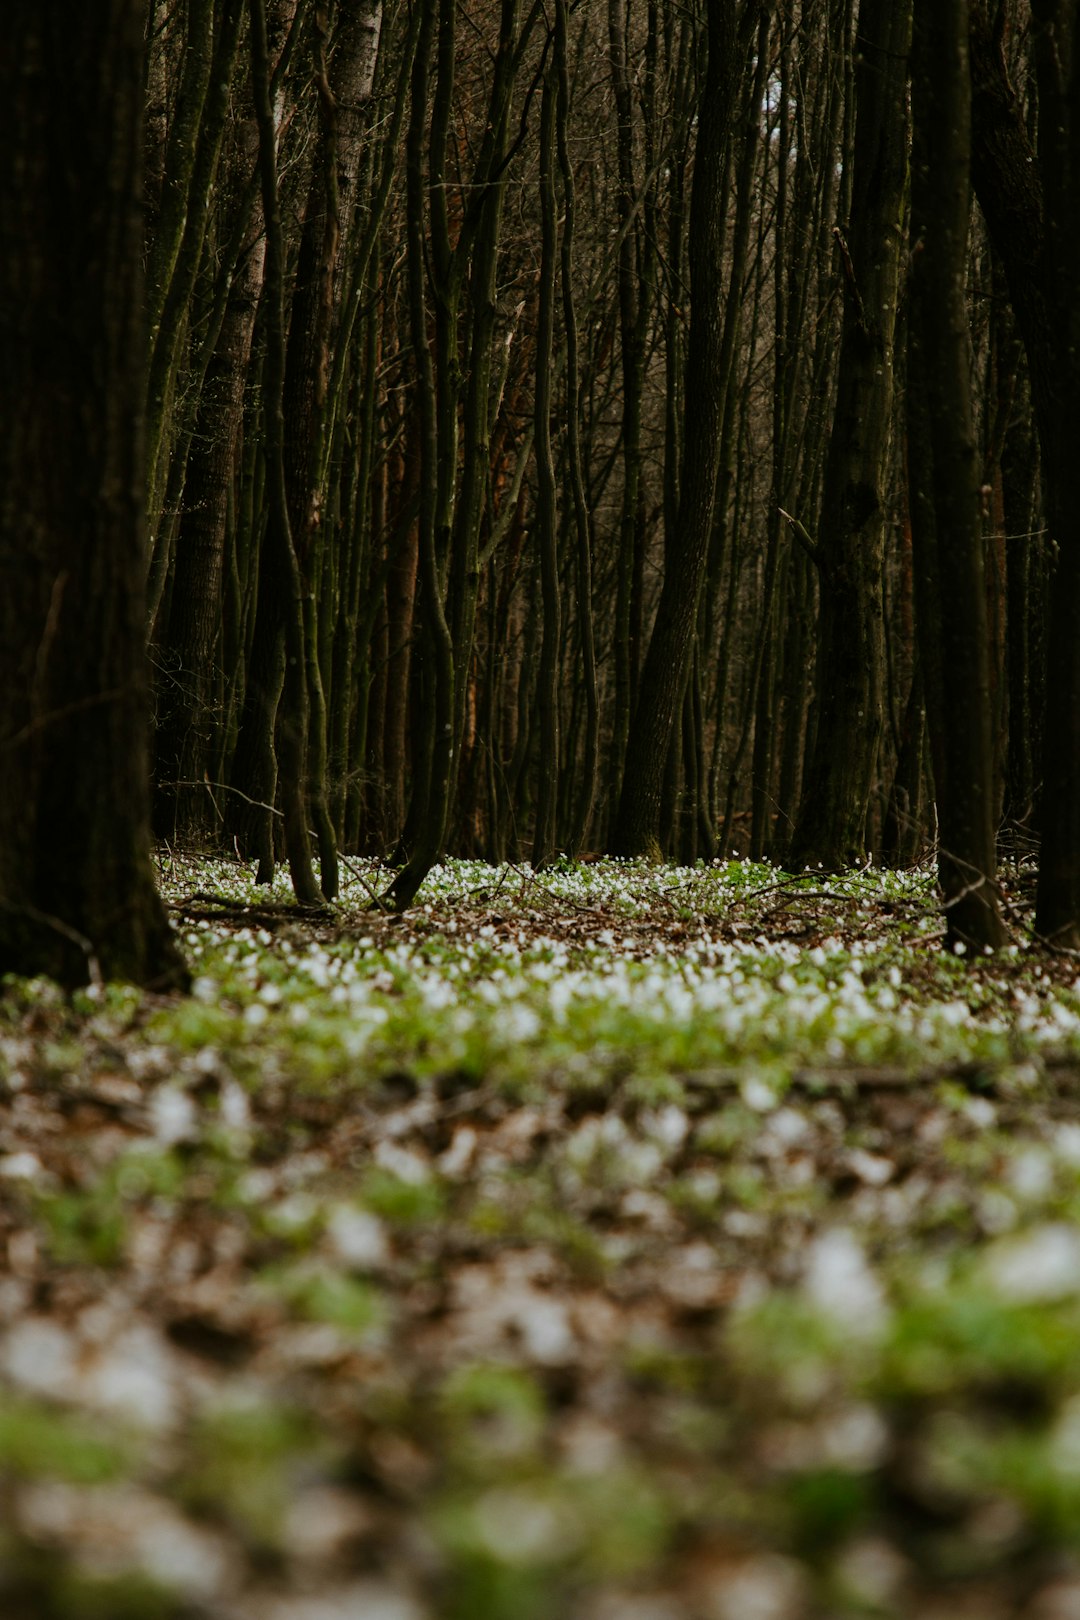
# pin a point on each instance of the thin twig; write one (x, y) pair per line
(375, 898)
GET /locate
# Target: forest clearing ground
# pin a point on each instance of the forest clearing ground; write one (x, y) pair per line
(613, 1243)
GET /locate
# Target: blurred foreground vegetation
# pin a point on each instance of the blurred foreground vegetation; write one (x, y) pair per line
(616, 1243)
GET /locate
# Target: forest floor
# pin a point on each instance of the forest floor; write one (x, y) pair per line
(621, 1243)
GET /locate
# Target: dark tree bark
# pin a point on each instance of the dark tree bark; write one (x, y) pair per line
(473, 264)
(946, 523)
(840, 772)
(170, 219)
(306, 399)
(1025, 564)
(582, 517)
(434, 667)
(547, 781)
(175, 249)
(1057, 39)
(280, 584)
(190, 695)
(634, 292)
(77, 895)
(663, 679)
(1031, 200)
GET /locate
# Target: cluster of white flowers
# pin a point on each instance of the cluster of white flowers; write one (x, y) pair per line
(708, 993)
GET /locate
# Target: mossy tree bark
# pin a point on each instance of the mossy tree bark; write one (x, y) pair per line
(77, 894)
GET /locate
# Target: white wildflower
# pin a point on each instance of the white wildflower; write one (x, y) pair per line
(173, 1116)
(839, 1281)
(1035, 1266)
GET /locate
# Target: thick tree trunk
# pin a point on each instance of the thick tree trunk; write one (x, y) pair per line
(77, 895)
(1057, 41)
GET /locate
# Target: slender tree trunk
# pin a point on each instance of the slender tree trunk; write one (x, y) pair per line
(431, 780)
(191, 663)
(308, 370)
(637, 824)
(1025, 552)
(477, 254)
(1031, 201)
(946, 521)
(547, 781)
(840, 772)
(176, 249)
(582, 517)
(632, 293)
(279, 566)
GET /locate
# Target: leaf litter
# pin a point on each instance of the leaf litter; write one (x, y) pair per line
(611, 1243)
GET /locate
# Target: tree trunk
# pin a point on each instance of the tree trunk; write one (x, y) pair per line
(663, 679)
(279, 568)
(1031, 200)
(840, 772)
(434, 661)
(547, 779)
(583, 523)
(77, 895)
(191, 673)
(945, 515)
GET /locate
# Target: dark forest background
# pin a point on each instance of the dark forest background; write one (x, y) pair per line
(618, 426)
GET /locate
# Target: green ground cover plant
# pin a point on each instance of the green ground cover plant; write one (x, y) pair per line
(614, 1243)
